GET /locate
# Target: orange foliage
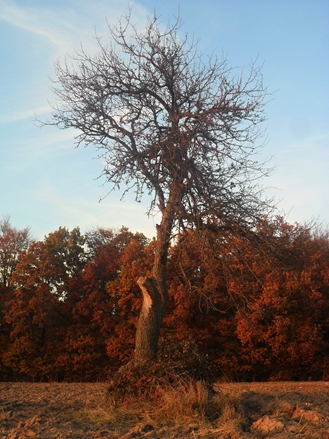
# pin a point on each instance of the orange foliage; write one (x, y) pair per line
(256, 305)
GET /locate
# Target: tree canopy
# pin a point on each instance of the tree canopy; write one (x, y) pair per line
(168, 120)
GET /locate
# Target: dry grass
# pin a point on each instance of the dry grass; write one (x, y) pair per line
(184, 409)
(192, 403)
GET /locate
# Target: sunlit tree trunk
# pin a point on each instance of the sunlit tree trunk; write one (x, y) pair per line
(150, 321)
(155, 294)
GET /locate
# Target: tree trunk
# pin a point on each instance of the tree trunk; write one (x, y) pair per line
(155, 293)
(150, 321)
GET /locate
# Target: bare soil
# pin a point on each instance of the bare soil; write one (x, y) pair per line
(279, 410)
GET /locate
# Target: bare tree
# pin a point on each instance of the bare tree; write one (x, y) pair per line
(174, 123)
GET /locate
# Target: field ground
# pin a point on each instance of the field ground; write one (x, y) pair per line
(278, 410)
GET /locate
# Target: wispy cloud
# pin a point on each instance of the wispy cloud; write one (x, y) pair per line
(307, 141)
(38, 21)
(73, 25)
(72, 208)
(26, 114)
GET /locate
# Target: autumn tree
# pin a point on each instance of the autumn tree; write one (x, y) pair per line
(201, 305)
(284, 327)
(38, 315)
(68, 315)
(100, 333)
(33, 315)
(12, 242)
(175, 124)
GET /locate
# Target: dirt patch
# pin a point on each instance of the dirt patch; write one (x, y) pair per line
(278, 410)
(47, 410)
(283, 409)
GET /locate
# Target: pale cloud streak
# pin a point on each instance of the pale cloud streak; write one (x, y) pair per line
(316, 141)
(72, 209)
(40, 22)
(66, 31)
(26, 114)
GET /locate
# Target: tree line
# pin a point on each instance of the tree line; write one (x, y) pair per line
(69, 304)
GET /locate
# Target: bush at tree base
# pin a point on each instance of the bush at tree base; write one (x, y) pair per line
(179, 365)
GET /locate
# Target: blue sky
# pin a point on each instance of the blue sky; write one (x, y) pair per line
(46, 182)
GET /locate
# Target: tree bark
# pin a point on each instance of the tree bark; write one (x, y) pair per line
(155, 292)
(150, 321)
